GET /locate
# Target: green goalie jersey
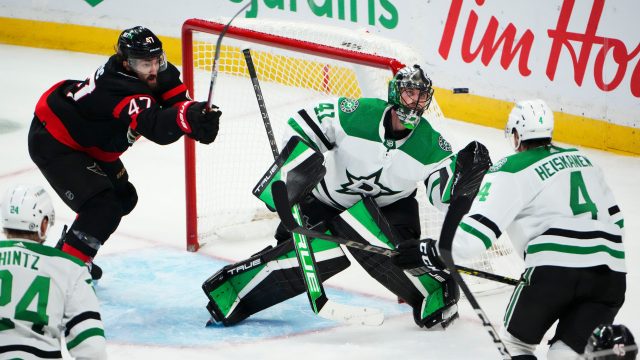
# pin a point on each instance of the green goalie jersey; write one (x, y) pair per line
(555, 206)
(360, 161)
(46, 294)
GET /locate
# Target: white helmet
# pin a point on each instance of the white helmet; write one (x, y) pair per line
(25, 207)
(531, 119)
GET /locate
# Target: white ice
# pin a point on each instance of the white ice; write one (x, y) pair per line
(158, 223)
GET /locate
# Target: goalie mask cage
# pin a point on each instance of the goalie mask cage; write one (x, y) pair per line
(297, 65)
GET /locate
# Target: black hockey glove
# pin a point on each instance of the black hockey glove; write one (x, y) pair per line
(198, 124)
(471, 164)
(418, 257)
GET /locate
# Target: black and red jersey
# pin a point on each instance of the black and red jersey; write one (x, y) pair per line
(103, 115)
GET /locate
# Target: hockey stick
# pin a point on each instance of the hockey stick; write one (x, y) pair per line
(216, 57)
(459, 206)
(280, 199)
(318, 300)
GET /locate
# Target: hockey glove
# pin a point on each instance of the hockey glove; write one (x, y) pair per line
(197, 123)
(418, 257)
(471, 164)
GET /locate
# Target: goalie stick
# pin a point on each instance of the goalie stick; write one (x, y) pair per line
(320, 303)
(216, 57)
(280, 199)
(466, 187)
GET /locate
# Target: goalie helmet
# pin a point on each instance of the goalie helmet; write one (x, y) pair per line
(139, 43)
(530, 119)
(24, 208)
(611, 342)
(410, 77)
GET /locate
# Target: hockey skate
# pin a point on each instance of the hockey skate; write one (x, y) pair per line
(94, 270)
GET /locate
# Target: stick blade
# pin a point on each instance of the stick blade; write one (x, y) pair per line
(349, 314)
(281, 202)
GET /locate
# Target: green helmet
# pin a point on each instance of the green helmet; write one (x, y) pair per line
(410, 77)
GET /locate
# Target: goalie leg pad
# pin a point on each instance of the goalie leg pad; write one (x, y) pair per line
(432, 296)
(270, 277)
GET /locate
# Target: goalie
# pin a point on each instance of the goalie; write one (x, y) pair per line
(375, 153)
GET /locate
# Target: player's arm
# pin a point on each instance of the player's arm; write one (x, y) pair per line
(166, 125)
(498, 201)
(170, 89)
(84, 332)
(315, 125)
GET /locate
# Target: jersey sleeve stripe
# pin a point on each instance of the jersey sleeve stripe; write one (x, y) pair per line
(583, 234)
(488, 223)
(84, 336)
(316, 130)
(433, 187)
(87, 315)
(31, 350)
(124, 102)
(173, 92)
(477, 233)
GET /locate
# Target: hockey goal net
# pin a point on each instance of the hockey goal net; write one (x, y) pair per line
(297, 65)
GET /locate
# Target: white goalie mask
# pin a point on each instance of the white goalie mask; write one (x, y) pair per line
(530, 119)
(25, 208)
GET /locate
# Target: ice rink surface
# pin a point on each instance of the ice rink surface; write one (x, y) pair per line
(152, 303)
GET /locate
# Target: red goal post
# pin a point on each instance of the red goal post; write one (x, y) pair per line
(271, 40)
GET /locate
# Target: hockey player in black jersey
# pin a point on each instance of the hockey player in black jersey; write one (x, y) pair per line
(81, 128)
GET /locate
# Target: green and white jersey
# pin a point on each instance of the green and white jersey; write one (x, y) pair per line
(556, 207)
(45, 293)
(361, 162)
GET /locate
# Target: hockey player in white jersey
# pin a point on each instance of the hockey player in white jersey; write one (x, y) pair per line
(373, 149)
(45, 294)
(563, 219)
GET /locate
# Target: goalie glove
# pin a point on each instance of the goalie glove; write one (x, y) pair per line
(472, 163)
(419, 257)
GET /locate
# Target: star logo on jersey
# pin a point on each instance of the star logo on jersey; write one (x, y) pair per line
(349, 105)
(444, 144)
(365, 185)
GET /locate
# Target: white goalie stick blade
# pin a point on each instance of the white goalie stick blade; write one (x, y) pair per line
(349, 314)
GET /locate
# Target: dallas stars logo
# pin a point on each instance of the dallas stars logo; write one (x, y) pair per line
(366, 185)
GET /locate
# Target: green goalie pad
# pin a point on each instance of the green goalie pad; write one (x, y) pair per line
(299, 165)
(269, 277)
(365, 222)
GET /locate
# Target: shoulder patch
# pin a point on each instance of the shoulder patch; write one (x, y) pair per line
(444, 144)
(348, 105)
(498, 165)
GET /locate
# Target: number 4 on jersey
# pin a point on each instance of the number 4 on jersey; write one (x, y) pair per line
(484, 192)
(579, 191)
